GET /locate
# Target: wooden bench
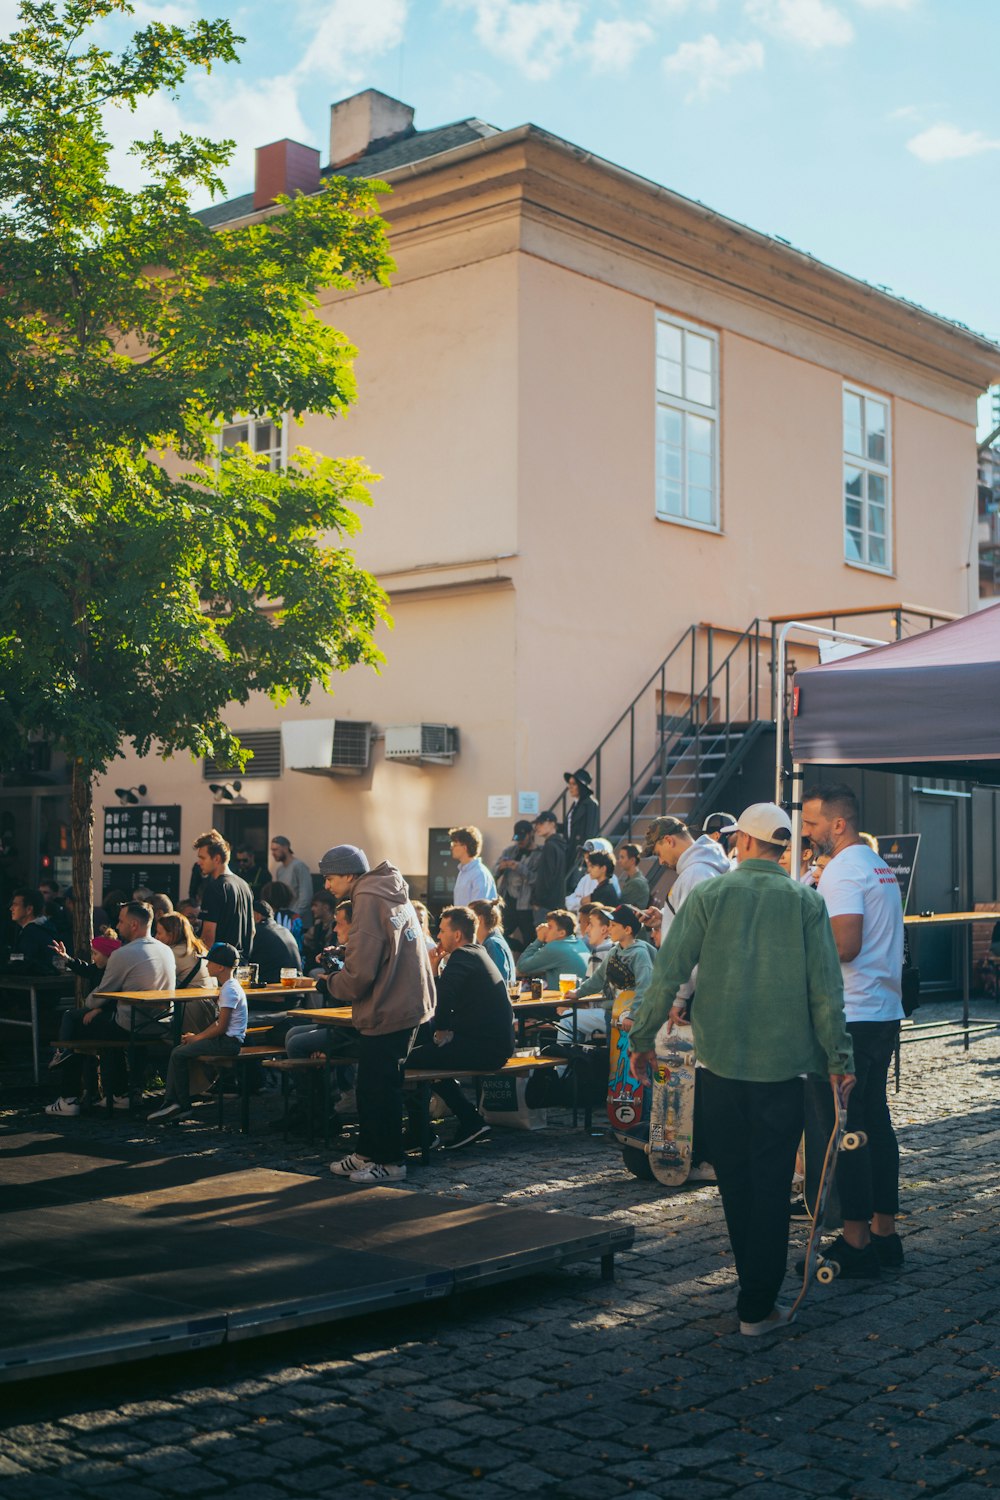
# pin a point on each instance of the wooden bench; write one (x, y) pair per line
(240, 1061)
(423, 1078)
(426, 1078)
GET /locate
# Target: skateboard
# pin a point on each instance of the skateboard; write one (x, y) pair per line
(671, 1110)
(815, 1267)
(628, 1096)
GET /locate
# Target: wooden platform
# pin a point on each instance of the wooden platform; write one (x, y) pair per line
(109, 1255)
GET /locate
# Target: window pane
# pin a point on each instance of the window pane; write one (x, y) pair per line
(876, 551)
(698, 353)
(876, 520)
(699, 434)
(669, 378)
(852, 546)
(876, 489)
(668, 462)
(875, 422)
(668, 342)
(265, 437)
(238, 433)
(852, 423)
(852, 514)
(698, 387)
(700, 506)
(668, 426)
(853, 483)
(670, 500)
(700, 470)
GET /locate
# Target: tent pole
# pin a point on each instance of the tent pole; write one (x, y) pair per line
(796, 862)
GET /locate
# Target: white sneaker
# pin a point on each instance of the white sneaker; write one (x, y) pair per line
(776, 1318)
(63, 1107)
(168, 1112)
(350, 1164)
(702, 1171)
(347, 1104)
(376, 1171)
(123, 1101)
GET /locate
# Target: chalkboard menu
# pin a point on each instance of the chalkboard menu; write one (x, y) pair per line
(127, 878)
(441, 868)
(141, 830)
(899, 850)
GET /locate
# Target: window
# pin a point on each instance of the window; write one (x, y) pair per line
(867, 481)
(687, 424)
(261, 435)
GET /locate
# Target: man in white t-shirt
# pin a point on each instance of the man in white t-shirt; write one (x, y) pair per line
(224, 1037)
(862, 898)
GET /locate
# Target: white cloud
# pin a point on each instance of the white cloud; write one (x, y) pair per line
(886, 4)
(712, 65)
(904, 112)
(183, 13)
(948, 143)
(349, 35)
(613, 44)
(813, 24)
(251, 114)
(534, 36)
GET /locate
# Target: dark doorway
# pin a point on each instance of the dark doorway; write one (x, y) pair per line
(937, 884)
(248, 826)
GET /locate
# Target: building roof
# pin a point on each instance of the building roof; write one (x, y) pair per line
(418, 146)
(427, 150)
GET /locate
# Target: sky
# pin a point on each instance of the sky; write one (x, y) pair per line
(866, 132)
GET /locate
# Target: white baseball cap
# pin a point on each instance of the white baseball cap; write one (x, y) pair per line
(765, 821)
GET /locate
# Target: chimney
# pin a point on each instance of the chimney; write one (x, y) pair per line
(284, 167)
(366, 120)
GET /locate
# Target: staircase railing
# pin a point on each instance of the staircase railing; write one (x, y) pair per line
(645, 720)
(673, 713)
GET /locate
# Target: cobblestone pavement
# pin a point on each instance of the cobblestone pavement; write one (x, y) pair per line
(568, 1387)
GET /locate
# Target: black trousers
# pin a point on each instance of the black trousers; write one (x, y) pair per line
(380, 1094)
(753, 1132)
(103, 1028)
(868, 1179)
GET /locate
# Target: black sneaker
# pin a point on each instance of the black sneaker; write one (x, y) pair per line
(467, 1131)
(889, 1249)
(855, 1265)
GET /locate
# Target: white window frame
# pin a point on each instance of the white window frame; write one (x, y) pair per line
(868, 466)
(259, 420)
(686, 407)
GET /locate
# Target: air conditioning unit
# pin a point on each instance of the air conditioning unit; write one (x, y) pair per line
(326, 747)
(433, 743)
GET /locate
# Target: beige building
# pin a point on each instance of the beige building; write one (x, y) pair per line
(604, 414)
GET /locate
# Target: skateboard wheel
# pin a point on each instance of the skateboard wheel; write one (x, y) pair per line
(827, 1272)
(854, 1140)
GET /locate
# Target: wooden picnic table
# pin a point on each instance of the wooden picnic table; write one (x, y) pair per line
(33, 985)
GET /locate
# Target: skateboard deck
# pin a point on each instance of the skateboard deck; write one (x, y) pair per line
(818, 1123)
(671, 1110)
(628, 1096)
(815, 1267)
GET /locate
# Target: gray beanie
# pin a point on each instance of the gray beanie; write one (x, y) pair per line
(344, 859)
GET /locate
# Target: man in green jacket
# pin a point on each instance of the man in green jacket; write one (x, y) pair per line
(556, 950)
(769, 1008)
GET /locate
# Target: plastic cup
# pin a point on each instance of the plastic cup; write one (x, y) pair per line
(289, 978)
(567, 983)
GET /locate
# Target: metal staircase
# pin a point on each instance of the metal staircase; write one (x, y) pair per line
(698, 714)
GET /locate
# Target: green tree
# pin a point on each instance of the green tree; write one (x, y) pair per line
(145, 581)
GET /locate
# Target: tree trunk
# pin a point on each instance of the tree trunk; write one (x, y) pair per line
(82, 831)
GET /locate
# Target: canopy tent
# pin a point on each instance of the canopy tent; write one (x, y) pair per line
(925, 706)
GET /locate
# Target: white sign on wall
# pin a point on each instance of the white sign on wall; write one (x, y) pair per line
(498, 807)
(527, 804)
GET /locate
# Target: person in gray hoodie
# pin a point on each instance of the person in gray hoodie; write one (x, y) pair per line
(387, 981)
